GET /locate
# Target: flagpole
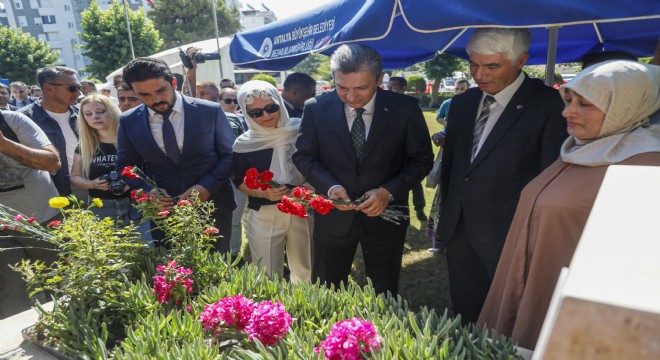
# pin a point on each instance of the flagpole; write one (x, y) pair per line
(128, 25)
(217, 36)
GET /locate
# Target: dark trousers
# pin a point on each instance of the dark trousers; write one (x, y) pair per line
(418, 196)
(222, 222)
(470, 275)
(382, 247)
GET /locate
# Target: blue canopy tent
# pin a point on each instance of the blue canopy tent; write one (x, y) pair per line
(406, 32)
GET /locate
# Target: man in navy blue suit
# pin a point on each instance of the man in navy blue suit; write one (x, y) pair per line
(360, 141)
(183, 144)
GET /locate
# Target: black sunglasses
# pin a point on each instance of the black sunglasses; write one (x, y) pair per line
(71, 88)
(229, 101)
(257, 113)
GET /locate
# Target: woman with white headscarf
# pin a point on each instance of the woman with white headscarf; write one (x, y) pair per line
(268, 145)
(607, 109)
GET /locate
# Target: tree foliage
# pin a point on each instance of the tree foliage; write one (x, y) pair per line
(416, 83)
(188, 21)
(106, 41)
(440, 67)
(315, 65)
(21, 55)
(265, 77)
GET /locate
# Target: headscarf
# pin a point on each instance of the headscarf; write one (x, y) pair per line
(281, 138)
(629, 94)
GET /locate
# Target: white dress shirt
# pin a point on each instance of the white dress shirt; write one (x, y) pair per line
(367, 115)
(177, 118)
(502, 99)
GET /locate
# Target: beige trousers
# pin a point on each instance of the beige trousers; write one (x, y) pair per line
(270, 232)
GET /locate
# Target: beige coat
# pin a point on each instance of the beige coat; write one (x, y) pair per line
(545, 231)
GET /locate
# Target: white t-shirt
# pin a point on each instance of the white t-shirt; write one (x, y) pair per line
(37, 186)
(69, 136)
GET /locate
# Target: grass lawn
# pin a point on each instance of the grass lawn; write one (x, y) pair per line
(424, 280)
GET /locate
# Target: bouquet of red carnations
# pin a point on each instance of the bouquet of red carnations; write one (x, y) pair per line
(303, 201)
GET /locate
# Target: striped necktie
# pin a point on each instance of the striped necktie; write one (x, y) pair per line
(480, 124)
(358, 134)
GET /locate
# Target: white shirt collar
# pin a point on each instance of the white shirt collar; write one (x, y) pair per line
(505, 95)
(369, 107)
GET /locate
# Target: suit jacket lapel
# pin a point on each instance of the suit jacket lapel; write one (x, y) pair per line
(189, 107)
(378, 123)
(511, 114)
(337, 117)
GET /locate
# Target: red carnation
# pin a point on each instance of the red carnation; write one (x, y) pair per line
(54, 223)
(321, 205)
(211, 230)
(266, 176)
(129, 173)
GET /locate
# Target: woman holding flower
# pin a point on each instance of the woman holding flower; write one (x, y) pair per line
(96, 155)
(269, 145)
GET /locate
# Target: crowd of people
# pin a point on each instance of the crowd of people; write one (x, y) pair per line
(521, 166)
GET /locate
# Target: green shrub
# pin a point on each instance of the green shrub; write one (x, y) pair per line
(417, 83)
(124, 320)
(265, 77)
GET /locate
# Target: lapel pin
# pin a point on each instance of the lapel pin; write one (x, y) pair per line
(386, 109)
(519, 107)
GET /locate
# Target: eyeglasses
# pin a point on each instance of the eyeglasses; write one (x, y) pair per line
(257, 113)
(229, 101)
(71, 88)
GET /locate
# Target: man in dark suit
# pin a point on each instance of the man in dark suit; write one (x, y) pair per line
(4, 98)
(361, 142)
(20, 95)
(502, 135)
(183, 144)
(297, 88)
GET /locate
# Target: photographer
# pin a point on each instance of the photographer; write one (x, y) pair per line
(94, 161)
(190, 59)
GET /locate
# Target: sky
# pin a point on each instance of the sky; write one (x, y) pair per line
(288, 8)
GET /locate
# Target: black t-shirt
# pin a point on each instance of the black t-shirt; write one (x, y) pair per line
(103, 163)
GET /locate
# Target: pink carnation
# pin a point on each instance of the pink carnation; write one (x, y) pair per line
(269, 323)
(172, 282)
(211, 230)
(231, 312)
(350, 339)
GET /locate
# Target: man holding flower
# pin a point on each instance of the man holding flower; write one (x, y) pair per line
(360, 142)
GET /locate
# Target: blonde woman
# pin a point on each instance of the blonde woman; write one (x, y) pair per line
(94, 162)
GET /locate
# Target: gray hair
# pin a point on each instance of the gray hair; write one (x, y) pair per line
(513, 43)
(51, 73)
(350, 58)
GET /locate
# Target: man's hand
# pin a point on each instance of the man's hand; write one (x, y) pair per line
(161, 198)
(203, 193)
(273, 194)
(190, 52)
(339, 193)
(376, 202)
(438, 138)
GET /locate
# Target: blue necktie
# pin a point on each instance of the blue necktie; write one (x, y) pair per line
(358, 134)
(169, 139)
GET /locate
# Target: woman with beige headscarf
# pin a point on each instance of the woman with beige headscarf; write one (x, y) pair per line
(607, 109)
(268, 145)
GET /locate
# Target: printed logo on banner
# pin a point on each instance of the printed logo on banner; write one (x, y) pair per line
(266, 48)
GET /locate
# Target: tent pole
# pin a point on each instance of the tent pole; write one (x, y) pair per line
(553, 33)
(217, 36)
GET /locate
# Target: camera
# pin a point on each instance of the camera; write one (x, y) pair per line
(116, 185)
(198, 56)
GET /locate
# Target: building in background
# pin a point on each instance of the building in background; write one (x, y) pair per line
(57, 22)
(254, 15)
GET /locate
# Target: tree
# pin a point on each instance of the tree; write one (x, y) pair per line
(106, 41)
(187, 21)
(442, 66)
(416, 83)
(21, 55)
(315, 65)
(265, 77)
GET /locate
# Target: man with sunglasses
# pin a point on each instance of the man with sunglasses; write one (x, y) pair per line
(183, 143)
(361, 143)
(56, 113)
